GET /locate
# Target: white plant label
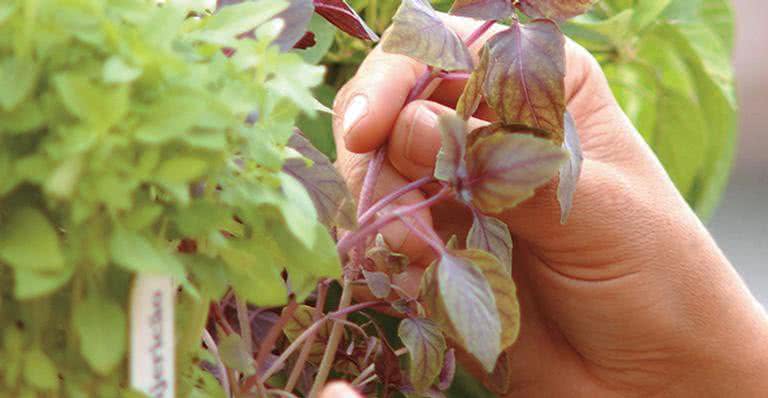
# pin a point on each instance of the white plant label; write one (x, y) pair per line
(152, 354)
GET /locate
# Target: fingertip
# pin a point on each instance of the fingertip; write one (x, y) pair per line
(372, 101)
(337, 389)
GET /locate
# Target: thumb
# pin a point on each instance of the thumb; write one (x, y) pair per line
(339, 390)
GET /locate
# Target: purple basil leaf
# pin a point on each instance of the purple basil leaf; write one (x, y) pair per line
(418, 32)
(451, 166)
(525, 79)
(483, 9)
(473, 90)
(306, 41)
(378, 283)
(570, 170)
(491, 235)
(261, 324)
(426, 348)
(387, 367)
(339, 13)
(471, 307)
(386, 260)
(555, 9)
(505, 169)
(504, 291)
(448, 372)
(333, 201)
(296, 18)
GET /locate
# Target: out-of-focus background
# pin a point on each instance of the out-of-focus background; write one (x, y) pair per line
(740, 224)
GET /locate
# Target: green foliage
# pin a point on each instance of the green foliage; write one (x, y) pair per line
(122, 132)
(668, 62)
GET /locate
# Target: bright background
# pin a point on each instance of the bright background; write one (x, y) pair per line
(740, 224)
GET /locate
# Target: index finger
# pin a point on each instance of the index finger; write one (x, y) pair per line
(367, 107)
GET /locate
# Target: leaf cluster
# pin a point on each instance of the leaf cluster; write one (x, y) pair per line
(146, 138)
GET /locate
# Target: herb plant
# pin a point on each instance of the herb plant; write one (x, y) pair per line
(138, 138)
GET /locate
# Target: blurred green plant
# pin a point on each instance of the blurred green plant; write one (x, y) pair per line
(130, 143)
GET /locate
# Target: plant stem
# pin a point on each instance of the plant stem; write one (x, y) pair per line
(369, 182)
(479, 32)
(383, 202)
(211, 344)
(311, 330)
(454, 75)
(421, 84)
(366, 195)
(322, 291)
(219, 315)
(350, 240)
(333, 343)
(245, 323)
(269, 340)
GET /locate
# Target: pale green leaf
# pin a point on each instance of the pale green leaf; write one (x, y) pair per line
(233, 353)
(18, 77)
(29, 242)
(134, 252)
(230, 21)
(31, 284)
(116, 70)
(101, 326)
(40, 371)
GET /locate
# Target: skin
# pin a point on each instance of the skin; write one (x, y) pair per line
(631, 298)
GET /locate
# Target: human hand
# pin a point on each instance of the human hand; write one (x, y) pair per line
(631, 297)
(339, 390)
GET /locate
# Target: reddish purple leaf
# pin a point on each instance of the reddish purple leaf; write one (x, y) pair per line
(525, 79)
(570, 170)
(386, 260)
(418, 32)
(468, 301)
(483, 9)
(306, 41)
(448, 372)
(378, 283)
(473, 90)
(330, 195)
(296, 18)
(491, 235)
(505, 169)
(450, 166)
(555, 9)
(339, 13)
(426, 348)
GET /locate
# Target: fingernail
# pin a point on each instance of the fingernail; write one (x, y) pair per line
(418, 148)
(357, 108)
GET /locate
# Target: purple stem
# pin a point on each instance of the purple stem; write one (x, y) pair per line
(454, 75)
(435, 244)
(350, 240)
(369, 183)
(479, 32)
(421, 84)
(383, 202)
